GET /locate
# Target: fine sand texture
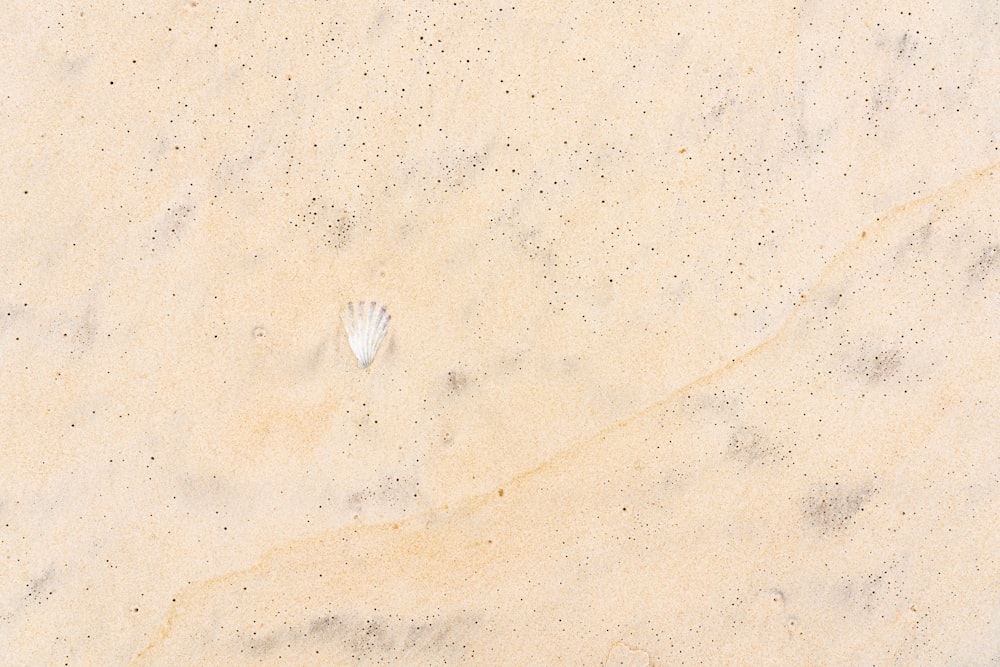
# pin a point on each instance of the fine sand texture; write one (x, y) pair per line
(694, 351)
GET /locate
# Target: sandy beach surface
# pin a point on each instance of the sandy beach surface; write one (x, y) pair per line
(693, 357)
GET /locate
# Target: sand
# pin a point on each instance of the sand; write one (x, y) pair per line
(692, 357)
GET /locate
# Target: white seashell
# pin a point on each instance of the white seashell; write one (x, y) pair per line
(366, 327)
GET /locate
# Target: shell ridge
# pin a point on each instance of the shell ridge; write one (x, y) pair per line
(370, 333)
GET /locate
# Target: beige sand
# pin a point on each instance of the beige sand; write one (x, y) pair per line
(692, 356)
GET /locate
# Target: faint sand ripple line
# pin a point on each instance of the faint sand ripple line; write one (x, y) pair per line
(384, 532)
